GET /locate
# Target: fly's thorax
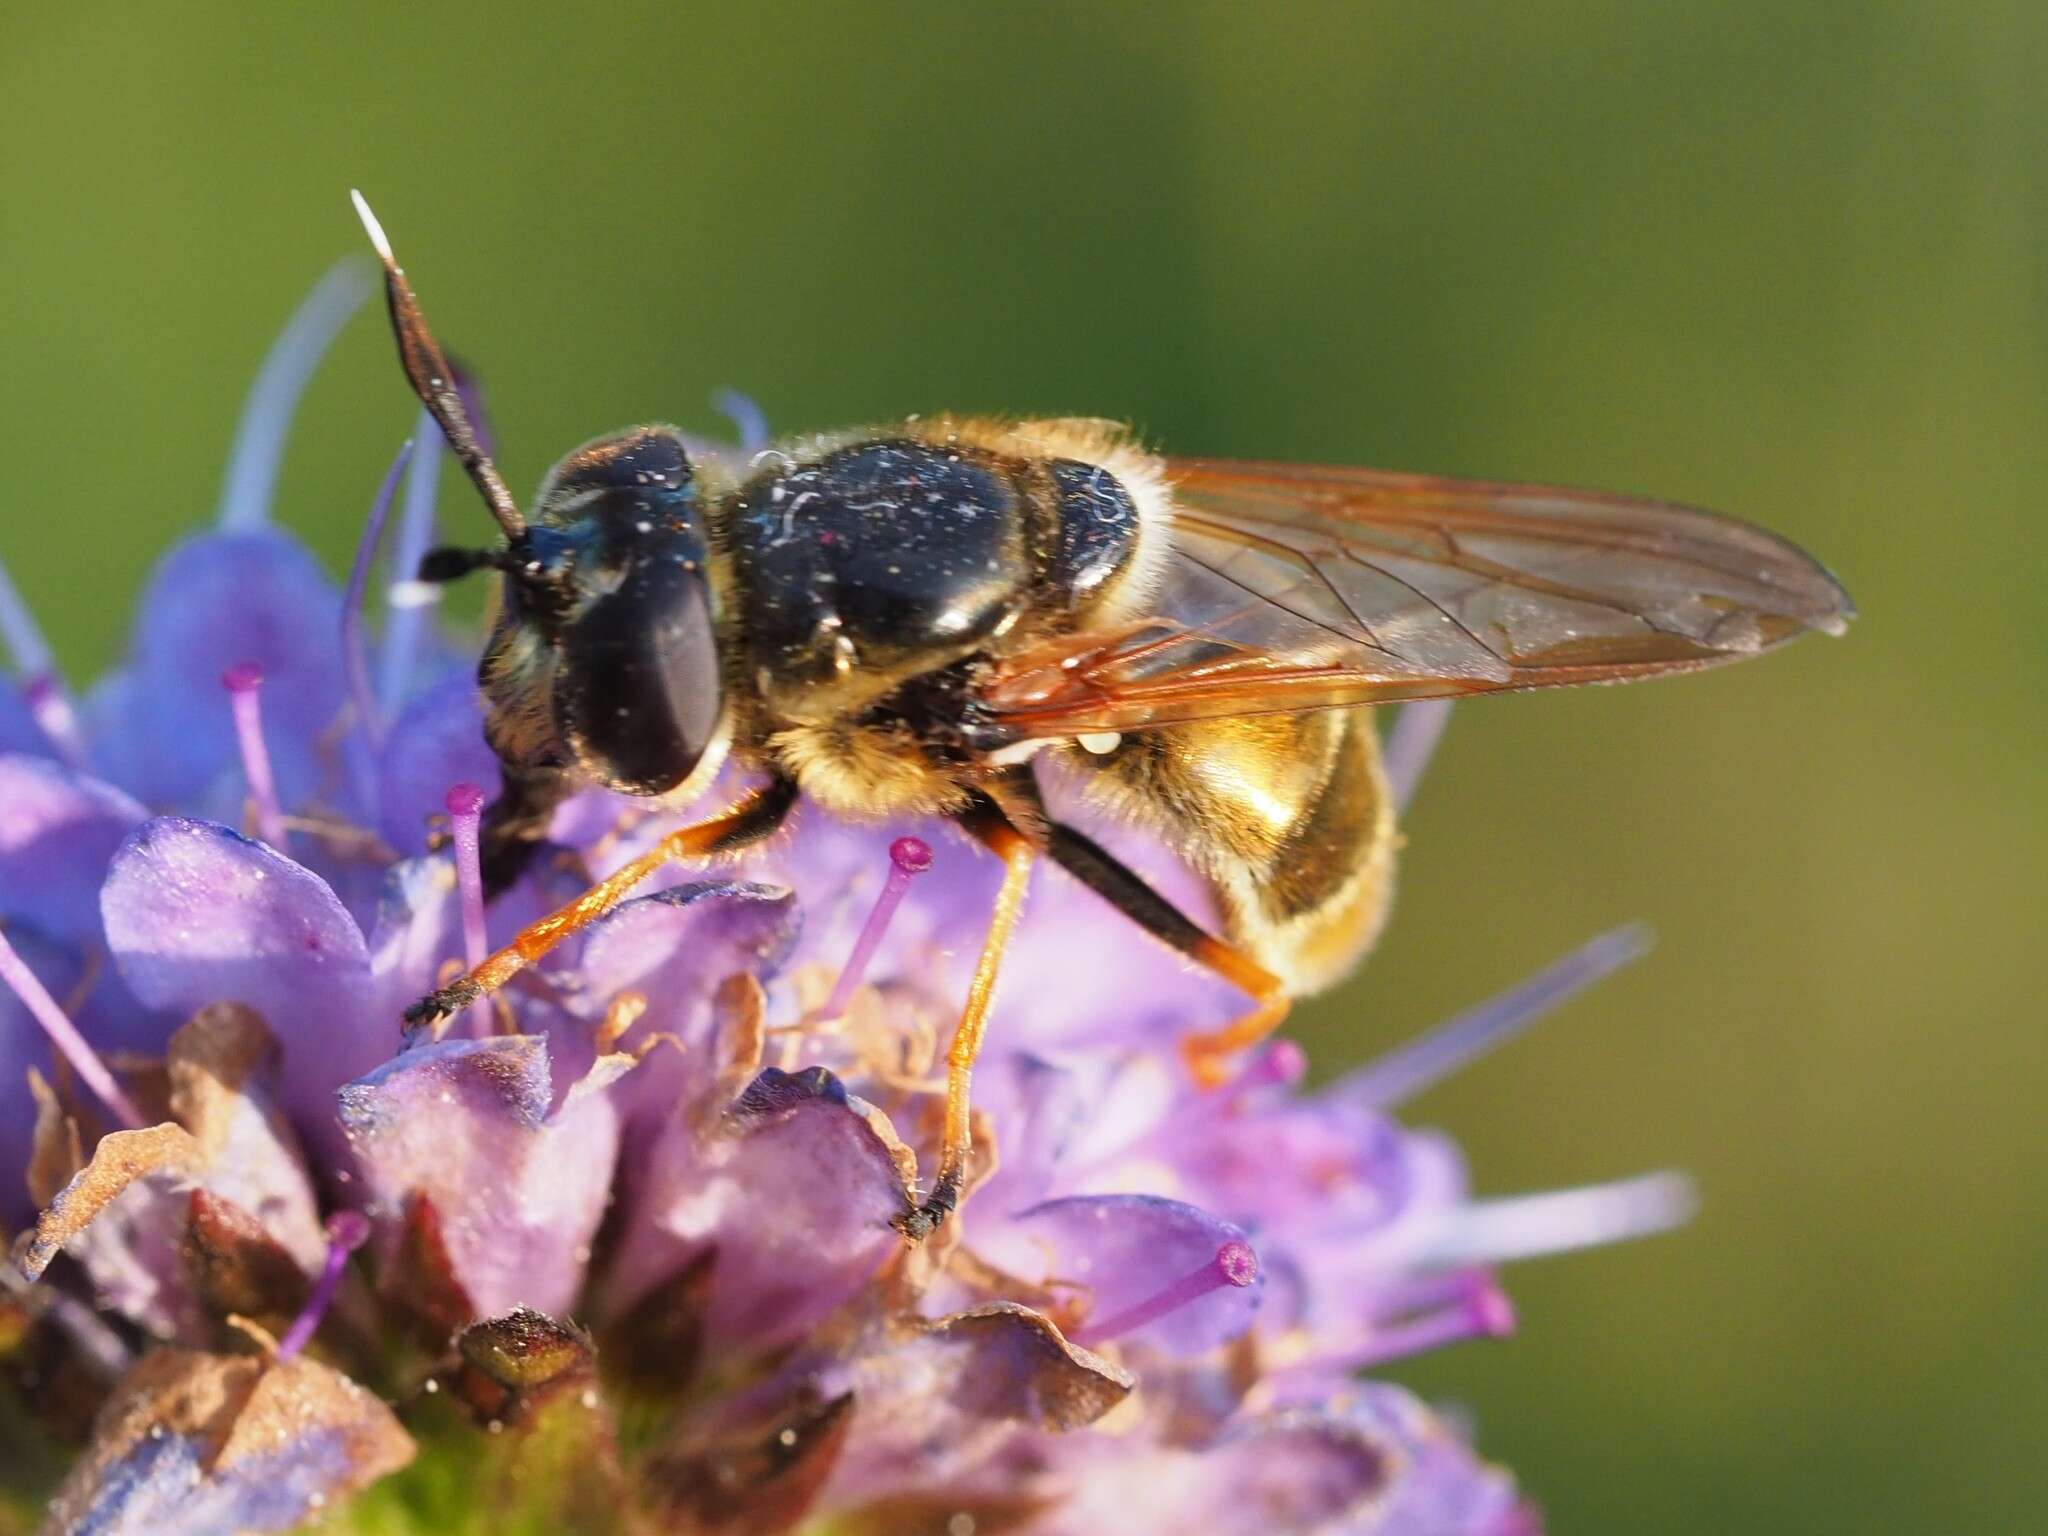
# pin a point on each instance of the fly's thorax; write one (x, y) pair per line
(874, 562)
(1105, 509)
(860, 562)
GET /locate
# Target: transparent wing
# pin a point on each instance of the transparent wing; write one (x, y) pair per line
(1296, 587)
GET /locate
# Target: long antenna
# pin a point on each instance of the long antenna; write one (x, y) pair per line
(434, 381)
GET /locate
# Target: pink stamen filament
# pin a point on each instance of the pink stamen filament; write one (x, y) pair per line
(346, 1232)
(244, 684)
(465, 809)
(1477, 1309)
(65, 1037)
(355, 651)
(909, 857)
(43, 689)
(1234, 1265)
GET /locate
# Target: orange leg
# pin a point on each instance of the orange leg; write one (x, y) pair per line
(1208, 1053)
(1018, 856)
(749, 819)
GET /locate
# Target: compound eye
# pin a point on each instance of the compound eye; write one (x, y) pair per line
(637, 693)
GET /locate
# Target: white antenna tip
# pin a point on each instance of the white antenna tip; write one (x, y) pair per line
(371, 227)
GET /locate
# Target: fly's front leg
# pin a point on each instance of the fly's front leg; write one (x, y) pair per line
(753, 817)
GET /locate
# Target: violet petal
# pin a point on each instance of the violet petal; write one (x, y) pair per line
(1038, 1107)
(932, 1405)
(58, 829)
(679, 943)
(121, 1216)
(220, 1064)
(1441, 1484)
(466, 1125)
(414, 930)
(1287, 1474)
(437, 740)
(19, 730)
(794, 1193)
(674, 948)
(218, 600)
(198, 914)
(1127, 1249)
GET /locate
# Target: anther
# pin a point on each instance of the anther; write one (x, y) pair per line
(909, 857)
(1234, 1265)
(1478, 1309)
(48, 699)
(346, 1232)
(244, 684)
(465, 804)
(64, 1036)
(620, 1014)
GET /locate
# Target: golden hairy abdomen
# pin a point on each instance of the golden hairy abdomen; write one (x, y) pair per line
(1289, 819)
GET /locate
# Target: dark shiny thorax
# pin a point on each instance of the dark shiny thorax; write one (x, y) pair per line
(885, 560)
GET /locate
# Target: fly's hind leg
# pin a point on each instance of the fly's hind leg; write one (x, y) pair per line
(1208, 1054)
(994, 831)
(748, 820)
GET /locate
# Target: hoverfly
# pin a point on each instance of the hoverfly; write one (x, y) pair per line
(907, 620)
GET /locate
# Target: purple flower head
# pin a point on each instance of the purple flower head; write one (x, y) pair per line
(622, 1243)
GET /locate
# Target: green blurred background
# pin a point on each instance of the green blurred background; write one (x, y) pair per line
(1787, 260)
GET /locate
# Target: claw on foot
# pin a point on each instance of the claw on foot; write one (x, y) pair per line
(443, 1004)
(921, 1221)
